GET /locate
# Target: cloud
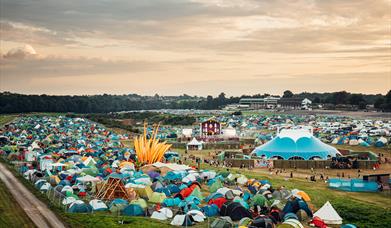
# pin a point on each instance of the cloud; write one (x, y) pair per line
(21, 53)
(177, 40)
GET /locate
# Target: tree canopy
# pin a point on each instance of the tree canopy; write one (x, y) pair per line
(19, 103)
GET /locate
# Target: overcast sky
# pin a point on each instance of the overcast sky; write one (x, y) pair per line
(197, 47)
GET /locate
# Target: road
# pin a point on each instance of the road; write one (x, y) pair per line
(38, 212)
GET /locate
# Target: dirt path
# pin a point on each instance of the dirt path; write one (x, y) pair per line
(38, 212)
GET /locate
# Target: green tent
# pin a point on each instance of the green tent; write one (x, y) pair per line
(197, 193)
(223, 222)
(93, 171)
(157, 197)
(259, 200)
(141, 202)
(224, 173)
(215, 186)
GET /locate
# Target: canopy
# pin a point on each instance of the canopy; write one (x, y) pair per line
(290, 143)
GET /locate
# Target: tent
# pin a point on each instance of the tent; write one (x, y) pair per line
(79, 207)
(141, 202)
(182, 220)
(68, 200)
(133, 210)
(98, 205)
(162, 214)
(328, 214)
(222, 222)
(87, 178)
(210, 210)
(194, 144)
(144, 192)
(117, 205)
(262, 221)
(235, 211)
(291, 143)
(381, 142)
(197, 215)
(295, 205)
(157, 197)
(291, 223)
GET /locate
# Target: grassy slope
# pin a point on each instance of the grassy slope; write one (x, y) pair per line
(11, 214)
(6, 119)
(362, 209)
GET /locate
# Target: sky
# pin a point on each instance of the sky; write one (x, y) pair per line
(197, 47)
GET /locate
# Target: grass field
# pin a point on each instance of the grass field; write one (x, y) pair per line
(11, 214)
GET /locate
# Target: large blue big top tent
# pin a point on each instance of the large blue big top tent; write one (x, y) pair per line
(295, 143)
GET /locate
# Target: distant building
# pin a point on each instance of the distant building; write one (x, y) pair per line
(294, 103)
(210, 127)
(306, 104)
(260, 103)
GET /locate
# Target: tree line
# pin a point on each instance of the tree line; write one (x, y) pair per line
(20, 103)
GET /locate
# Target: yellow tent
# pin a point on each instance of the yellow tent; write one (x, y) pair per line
(144, 192)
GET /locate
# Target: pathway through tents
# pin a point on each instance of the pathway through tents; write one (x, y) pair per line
(38, 212)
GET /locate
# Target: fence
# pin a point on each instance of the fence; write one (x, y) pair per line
(209, 146)
(242, 162)
(353, 185)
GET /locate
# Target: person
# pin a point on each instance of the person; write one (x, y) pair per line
(291, 174)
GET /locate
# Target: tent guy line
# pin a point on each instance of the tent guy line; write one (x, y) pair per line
(37, 211)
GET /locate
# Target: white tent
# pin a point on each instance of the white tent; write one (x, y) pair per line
(197, 215)
(89, 161)
(172, 166)
(162, 214)
(98, 205)
(189, 178)
(229, 132)
(187, 132)
(328, 214)
(194, 144)
(208, 174)
(68, 200)
(88, 178)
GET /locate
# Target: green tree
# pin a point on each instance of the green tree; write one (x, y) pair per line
(287, 94)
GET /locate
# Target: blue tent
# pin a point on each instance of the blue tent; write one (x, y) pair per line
(80, 208)
(210, 210)
(288, 146)
(133, 210)
(171, 202)
(213, 196)
(292, 206)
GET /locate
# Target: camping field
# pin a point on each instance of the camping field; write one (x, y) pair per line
(11, 214)
(362, 209)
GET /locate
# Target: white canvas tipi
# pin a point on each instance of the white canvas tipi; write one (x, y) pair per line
(328, 214)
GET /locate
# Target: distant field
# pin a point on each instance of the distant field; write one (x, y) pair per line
(11, 214)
